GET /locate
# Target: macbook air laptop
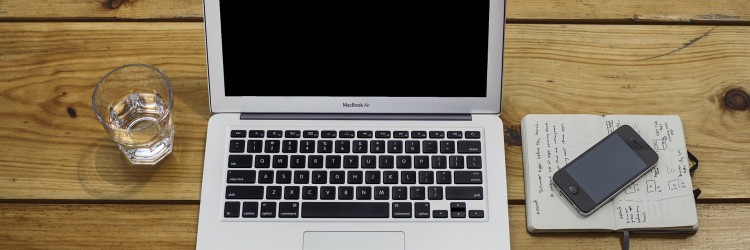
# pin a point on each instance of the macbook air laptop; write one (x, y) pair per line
(354, 125)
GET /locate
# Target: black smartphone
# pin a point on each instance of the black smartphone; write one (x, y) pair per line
(605, 169)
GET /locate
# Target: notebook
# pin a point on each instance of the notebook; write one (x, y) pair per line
(354, 125)
(661, 201)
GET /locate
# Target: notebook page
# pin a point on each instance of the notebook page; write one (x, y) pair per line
(664, 196)
(549, 143)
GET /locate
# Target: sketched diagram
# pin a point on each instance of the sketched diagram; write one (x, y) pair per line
(660, 144)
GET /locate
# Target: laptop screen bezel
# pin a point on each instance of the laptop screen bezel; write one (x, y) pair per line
(220, 103)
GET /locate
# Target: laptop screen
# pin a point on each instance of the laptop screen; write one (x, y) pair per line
(355, 48)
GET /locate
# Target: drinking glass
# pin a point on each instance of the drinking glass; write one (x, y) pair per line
(134, 104)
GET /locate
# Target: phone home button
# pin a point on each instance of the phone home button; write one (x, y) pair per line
(573, 189)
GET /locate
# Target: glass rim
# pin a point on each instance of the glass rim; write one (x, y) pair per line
(101, 80)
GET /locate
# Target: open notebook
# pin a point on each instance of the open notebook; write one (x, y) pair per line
(661, 201)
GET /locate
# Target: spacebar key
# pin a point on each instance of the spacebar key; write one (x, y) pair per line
(345, 210)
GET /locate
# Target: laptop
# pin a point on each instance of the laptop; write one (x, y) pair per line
(354, 125)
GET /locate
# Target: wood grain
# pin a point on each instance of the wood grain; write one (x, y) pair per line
(47, 67)
(600, 11)
(682, 70)
(56, 10)
(635, 11)
(98, 226)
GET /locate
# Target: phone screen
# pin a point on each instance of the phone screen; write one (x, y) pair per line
(605, 168)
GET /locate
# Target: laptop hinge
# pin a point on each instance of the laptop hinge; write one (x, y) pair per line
(377, 117)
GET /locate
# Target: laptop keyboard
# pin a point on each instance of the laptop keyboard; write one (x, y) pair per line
(394, 175)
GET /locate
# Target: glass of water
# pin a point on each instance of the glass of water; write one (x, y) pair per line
(134, 104)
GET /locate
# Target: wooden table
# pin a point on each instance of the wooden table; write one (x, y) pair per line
(63, 184)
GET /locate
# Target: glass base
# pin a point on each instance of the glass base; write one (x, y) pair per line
(148, 155)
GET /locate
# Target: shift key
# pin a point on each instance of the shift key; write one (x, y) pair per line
(244, 192)
(464, 193)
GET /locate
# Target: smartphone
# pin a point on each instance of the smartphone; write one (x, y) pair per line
(606, 169)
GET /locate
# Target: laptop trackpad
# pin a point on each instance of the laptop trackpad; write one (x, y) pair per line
(354, 240)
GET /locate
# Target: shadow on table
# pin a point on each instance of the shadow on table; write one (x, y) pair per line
(105, 173)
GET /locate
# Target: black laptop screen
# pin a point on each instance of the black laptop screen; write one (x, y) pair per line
(355, 48)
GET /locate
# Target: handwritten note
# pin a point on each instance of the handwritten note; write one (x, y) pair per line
(662, 198)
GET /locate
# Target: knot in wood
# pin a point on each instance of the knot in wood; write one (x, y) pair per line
(737, 99)
(513, 136)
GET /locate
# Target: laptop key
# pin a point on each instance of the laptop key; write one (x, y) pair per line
(237, 146)
(381, 193)
(309, 193)
(240, 161)
(372, 177)
(476, 213)
(439, 162)
(385, 161)
(426, 177)
(346, 134)
(315, 161)
(325, 146)
(395, 146)
(338, 177)
(421, 162)
(254, 146)
(412, 147)
(231, 209)
(283, 177)
(400, 134)
(319, 177)
(273, 192)
(390, 177)
(354, 177)
(435, 193)
(241, 176)
(333, 161)
(440, 214)
(469, 147)
(262, 161)
(403, 161)
(473, 135)
(401, 209)
(250, 209)
(437, 134)
(429, 147)
(359, 146)
(345, 210)
(364, 134)
(464, 193)
(275, 134)
(272, 146)
(444, 177)
(289, 146)
(280, 161)
(328, 134)
(447, 147)
(408, 177)
(364, 193)
(238, 134)
(382, 134)
(297, 161)
(455, 134)
(292, 134)
(377, 146)
(291, 192)
(474, 162)
(265, 177)
(346, 193)
(456, 162)
(244, 192)
(399, 193)
(416, 193)
(343, 146)
(301, 177)
(467, 177)
(307, 146)
(310, 134)
(368, 161)
(418, 134)
(421, 210)
(327, 193)
(351, 161)
(257, 134)
(268, 210)
(288, 209)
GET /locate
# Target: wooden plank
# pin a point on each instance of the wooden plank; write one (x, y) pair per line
(682, 70)
(189, 10)
(96, 226)
(639, 11)
(46, 68)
